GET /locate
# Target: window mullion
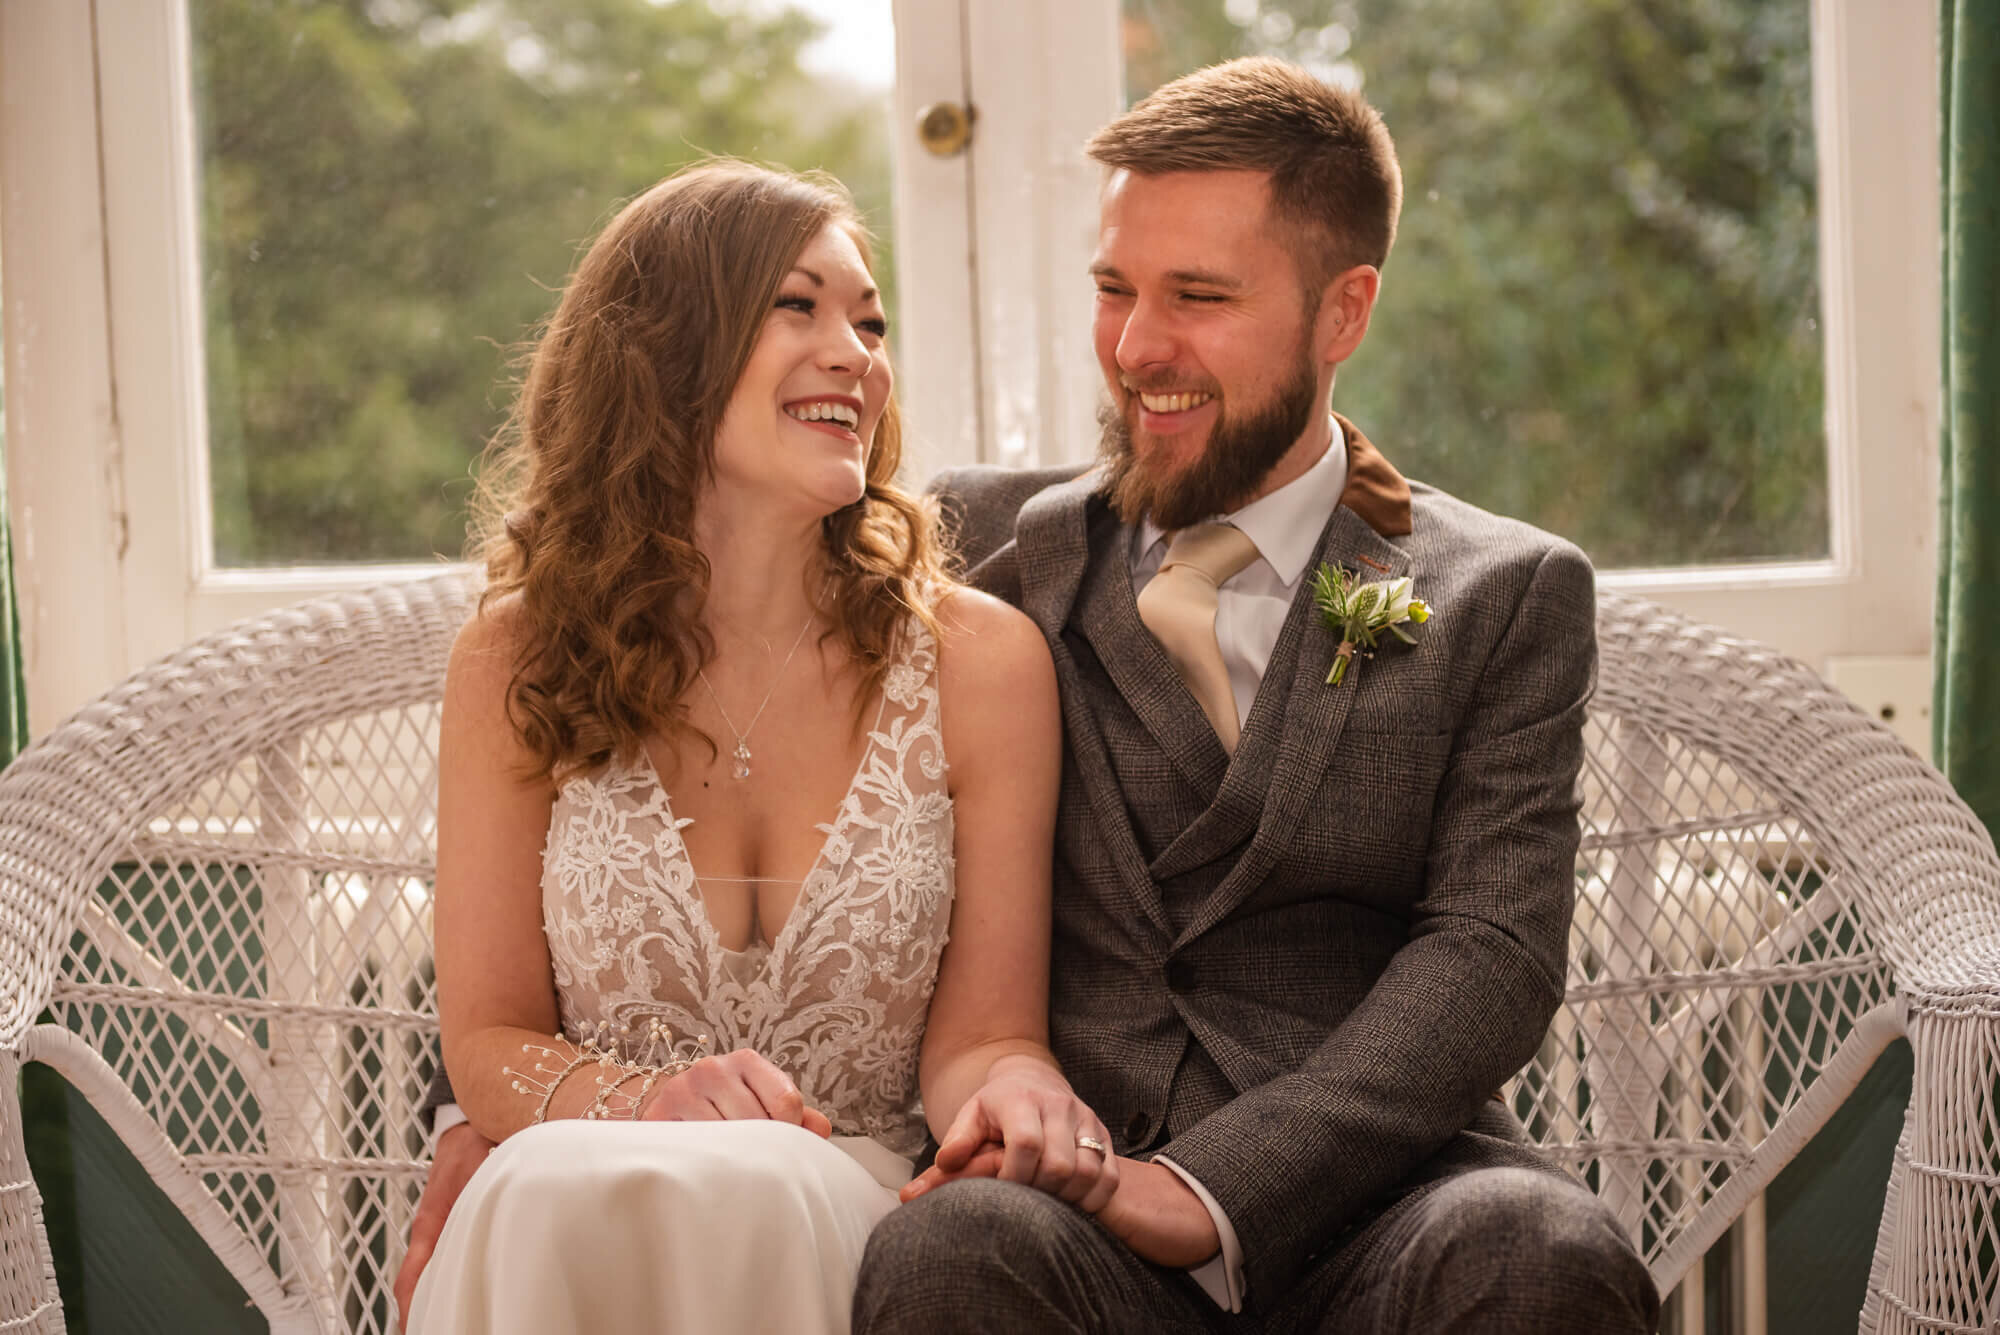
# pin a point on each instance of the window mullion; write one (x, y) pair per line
(64, 454)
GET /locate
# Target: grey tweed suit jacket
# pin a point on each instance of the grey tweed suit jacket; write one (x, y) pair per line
(1303, 971)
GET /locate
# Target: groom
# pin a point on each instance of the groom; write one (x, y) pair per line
(1303, 931)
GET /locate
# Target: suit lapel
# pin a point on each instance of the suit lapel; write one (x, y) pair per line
(1374, 502)
(1052, 550)
(1288, 737)
(1234, 814)
(1051, 547)
(1108, 616)
(1307, 721)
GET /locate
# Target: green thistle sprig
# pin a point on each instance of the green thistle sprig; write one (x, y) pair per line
(1359, 613)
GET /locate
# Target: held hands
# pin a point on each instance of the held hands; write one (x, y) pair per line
(1152, 1211)
(738, 1086)
(1023, 1126)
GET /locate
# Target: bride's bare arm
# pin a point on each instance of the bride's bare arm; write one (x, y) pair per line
(987, 1074)
(496, 986)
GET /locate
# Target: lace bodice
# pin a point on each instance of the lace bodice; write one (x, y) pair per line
(838, 998)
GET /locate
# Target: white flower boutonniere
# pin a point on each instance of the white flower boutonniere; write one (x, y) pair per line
(1358, 613)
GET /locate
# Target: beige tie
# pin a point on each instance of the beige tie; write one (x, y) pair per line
(1178, 606)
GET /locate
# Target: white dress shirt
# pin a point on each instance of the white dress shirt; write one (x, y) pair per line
(447, 1116)
(1250, 611)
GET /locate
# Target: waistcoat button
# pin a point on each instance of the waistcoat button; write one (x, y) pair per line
(1180, 975)
(1136, 1129)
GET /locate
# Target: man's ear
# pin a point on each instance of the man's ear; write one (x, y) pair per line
(1345, 307)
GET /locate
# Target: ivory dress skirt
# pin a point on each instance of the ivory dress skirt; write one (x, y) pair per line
(574, 1227)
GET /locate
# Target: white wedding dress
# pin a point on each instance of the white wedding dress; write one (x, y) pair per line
(577, 1226)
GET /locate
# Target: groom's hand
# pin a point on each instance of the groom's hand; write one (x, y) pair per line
(460, 1151)
(1023, 1126)
(1153, 1212)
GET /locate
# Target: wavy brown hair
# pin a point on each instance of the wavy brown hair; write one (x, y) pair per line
(586, 501)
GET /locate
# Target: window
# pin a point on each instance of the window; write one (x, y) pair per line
(276, 254)
(1602, 311)
(1826, 544)
(391, 194)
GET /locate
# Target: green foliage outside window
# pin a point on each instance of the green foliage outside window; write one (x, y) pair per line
(393, 192)
(1601, 314)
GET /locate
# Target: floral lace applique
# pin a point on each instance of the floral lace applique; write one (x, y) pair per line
(838, 1000)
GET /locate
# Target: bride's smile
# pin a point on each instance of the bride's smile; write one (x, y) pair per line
(803, 416)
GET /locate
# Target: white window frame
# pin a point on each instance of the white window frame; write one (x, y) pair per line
(1875, 96)
(107, 459)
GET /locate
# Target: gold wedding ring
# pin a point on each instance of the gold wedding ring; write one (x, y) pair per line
(1093, 1143)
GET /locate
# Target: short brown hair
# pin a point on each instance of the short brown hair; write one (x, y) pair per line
(586, 502)
(1332, 165)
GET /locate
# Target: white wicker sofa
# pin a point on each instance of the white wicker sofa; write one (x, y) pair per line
(214, 887)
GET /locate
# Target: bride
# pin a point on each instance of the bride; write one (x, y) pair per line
(744, 809)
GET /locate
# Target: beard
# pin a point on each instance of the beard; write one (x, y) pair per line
(1239, 454)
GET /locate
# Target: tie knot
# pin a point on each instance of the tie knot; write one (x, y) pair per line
(1218, 551)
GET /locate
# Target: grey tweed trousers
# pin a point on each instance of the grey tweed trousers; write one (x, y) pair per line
(1492, 1250)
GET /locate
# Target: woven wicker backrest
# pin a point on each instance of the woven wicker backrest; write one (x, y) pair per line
(1771, 888)
(217, 880)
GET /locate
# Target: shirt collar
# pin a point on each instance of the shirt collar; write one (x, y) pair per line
(1286, 523)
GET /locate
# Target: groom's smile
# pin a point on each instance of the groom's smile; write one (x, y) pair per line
(1171, 413)
(1202, 335)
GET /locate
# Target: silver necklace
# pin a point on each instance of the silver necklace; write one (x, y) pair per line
(741, 769)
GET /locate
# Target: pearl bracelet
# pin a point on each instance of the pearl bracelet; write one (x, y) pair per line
(613, 1072)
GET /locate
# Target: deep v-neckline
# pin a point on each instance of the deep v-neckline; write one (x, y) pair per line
(698, 906)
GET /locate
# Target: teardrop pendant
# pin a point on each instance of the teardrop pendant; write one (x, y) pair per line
(741, 755)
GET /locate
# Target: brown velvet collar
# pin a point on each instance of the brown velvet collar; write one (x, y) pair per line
(1374, 490)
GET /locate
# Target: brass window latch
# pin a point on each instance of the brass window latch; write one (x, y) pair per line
(945, 128)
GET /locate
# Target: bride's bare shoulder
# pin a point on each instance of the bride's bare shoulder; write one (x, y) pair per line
(484, 656)
(976, 627)
(992, 660)
(494, 634)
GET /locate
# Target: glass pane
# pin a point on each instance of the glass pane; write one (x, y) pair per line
(1601, 314)
(394, 190)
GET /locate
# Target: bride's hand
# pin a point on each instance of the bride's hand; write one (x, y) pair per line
(1023, 1126)
(737, 1086)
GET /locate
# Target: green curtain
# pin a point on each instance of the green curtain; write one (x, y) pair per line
(13, 688)
(1965, 720)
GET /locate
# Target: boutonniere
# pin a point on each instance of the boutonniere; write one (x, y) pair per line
(1358, 613)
